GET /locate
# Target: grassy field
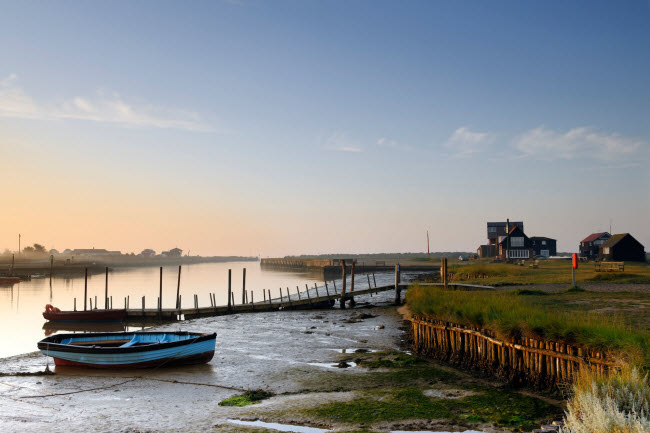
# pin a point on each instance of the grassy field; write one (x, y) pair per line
(565, 316)
(548, 272)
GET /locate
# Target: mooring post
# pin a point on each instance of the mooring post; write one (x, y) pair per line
(106, 289)
(75, 304)
(13, 262)
(111, 304)
(91, 302)
(373, 279)
(334, 282)
(51, 266)
(270, 302)
(352, 302)
(264, 292)
(298, 291)
(289, 297)
(178, 288)
(160, 296)
(397, 288)
(128, 301)
(443, 271)
(243, 289)
(308, 297)
(252, 300)
(344, 277)
(369, 286)
(229, 288)
(316, 288)
(143, 305)
(233, 299)
(85, 288)
(281, 299)
(328, 293)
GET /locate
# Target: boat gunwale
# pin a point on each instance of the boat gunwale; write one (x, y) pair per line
(47, 343)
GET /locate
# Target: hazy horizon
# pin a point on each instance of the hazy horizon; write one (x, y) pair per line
(285, 128)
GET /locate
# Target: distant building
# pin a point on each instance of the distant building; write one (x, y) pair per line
(483, 251)
(174, 252)
(622, 247)
(543, 247)
(496, 232)
(148, 253)
(590, 246)
(521, 247)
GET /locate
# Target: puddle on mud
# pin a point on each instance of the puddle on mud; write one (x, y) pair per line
(332, 365)
(355, 350)
(280, 427)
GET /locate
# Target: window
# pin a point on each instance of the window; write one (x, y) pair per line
(606, 250)
(543, 242)
(492, 229)
(517, 242)
(519, 254)
(599, 242)
(544, 253)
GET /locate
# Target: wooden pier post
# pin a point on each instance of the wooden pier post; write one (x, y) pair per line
(75, 304)
(13, 262)
(328, 293)
(233, 299)
(352, 302)
(91, 303)
(106, 289)
(308, 297)
(95, 302)
(270, 301)
(398, 300)
(51, 266)
(178, 288)
(316, 288)
(160, 296)
(128, 301)
(344, 277)
(111, 302)
(443, 271)
(252, 300)
(243, 289)
(298, 291)
(374, 280)
(281, 299)
(85, 288)
(230, 289)
(369, 286)
(289, 297)
(334, 282)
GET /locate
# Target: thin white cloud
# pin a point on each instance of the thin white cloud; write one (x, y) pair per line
(339, 141)
(464, 142)
(392, 144)
(581, 142)
(102, 107)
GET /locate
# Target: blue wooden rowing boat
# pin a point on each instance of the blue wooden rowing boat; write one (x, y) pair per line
(129, 349)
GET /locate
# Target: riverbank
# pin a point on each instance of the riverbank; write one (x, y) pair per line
(65, 268)
(295, 356)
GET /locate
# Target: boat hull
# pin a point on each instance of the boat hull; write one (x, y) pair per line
(105, 351)
(86, 316)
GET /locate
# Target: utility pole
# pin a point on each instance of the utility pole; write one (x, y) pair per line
(508, 239)
(18, 243)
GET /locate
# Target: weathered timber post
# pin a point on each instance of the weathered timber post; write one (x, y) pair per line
(352, 303)
(316, 288)
(281, 298)
(369, 286)
(443, 271)
(373, 279)
(298, 292)
(178, 288)
(398, 300)
(106, 289)
(344, 277)
(229, 288)
(334, 282)
(264, 293)
(308, 297)
(160, 296)
(51, 266)
(243, 290)
(289, 297)
(270, 301)
(85, 288)
(13, 262)
(75, 304)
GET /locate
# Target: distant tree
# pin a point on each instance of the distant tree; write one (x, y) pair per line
(28, 250)
(39, 249)
(6, 252)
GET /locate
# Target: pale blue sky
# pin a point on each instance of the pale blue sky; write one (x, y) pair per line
(252, 127)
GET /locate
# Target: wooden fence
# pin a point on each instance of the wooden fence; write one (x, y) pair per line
(536, 362)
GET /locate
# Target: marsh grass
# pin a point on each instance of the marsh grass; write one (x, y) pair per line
(513, 316)
(615, 403)
(548, 272)
(247, 398)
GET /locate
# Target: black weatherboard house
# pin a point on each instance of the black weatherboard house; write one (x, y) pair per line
(622, 247)
(496, 233)
(521, 247)
(544, 247)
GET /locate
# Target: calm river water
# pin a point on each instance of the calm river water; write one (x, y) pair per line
(22, 324)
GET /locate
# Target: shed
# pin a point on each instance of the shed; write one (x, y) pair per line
(622, 247)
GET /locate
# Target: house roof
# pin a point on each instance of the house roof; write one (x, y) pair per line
(592, 237)
(540, 238)
(614, 239)
(503, 224)
(512, 231)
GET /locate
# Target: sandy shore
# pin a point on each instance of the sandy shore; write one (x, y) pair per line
(292, 354)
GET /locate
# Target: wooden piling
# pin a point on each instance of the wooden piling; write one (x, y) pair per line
(91, 303)
(160, 296)
(298, 292)
(270, 301)
(85, 287)
(230, 289)
(106, 289)
(51, 266)
(374, 280)
(316, 288)
(178, 288)
(344, 277)
(243, 289)
(352, 303)
(398, 300)
(281, 299)
(308, 297)
(289, 297)
(75, 304)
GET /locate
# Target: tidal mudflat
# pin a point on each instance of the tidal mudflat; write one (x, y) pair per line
(327, 369)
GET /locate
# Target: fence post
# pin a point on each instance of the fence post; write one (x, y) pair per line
(397, 288)
(344, 276)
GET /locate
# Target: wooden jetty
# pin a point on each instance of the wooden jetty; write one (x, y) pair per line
(330, 268)
(309, 298)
